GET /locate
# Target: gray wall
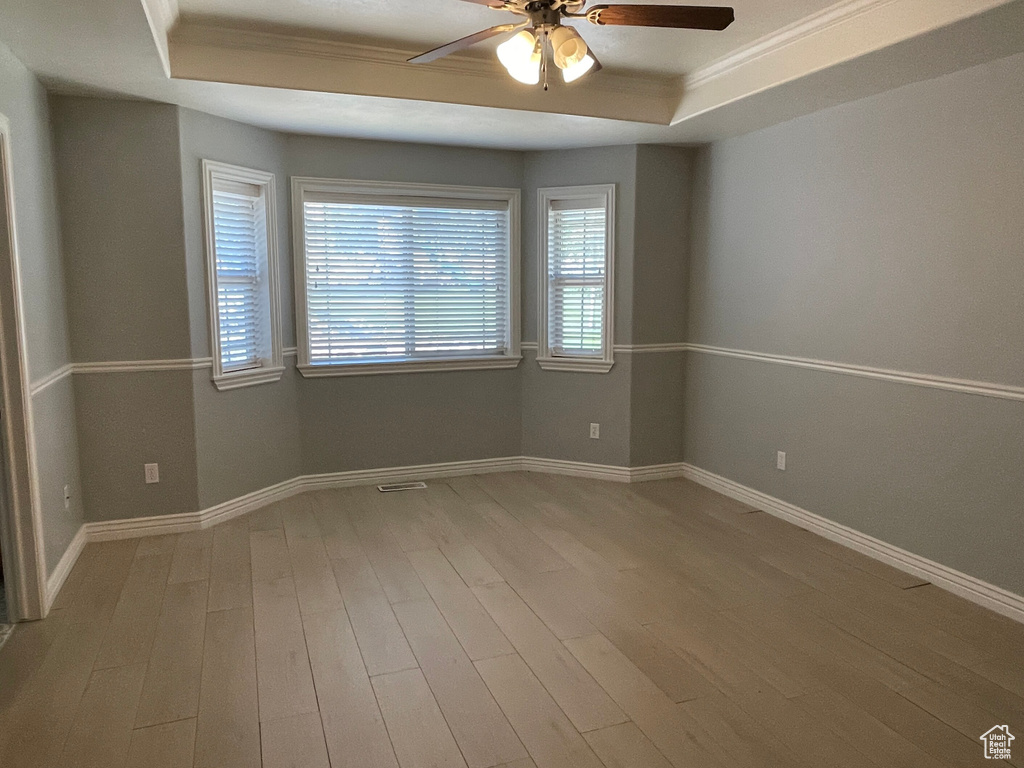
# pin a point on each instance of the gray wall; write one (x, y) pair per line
(248, 438)
(660, 275)
(360, 422)
(887, 232)
(119, 172)
(639, 403)
(126, 420)
(558, 407)
(23, 102)
(121, 214)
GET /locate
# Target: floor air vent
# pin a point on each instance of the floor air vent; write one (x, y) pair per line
(401, 487)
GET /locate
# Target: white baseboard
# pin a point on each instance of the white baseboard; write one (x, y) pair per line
(575, 469)
(410, 473)
(988, 595)
(656, 472)
(994, 598)
(109, 530)
(67, 562)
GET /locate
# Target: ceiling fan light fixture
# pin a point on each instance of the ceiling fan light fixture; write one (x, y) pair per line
(578, 70)
(568, 46)
(521, 55)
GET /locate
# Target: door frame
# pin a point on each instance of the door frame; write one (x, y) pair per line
(21, 532)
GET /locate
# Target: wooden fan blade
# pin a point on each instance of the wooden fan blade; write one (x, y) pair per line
(461, 43)
(676, 16)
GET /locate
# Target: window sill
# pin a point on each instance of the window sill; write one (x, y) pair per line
(248, 378)
(409, 366)
(575, 364)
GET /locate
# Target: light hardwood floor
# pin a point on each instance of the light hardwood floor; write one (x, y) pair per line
(504, 620)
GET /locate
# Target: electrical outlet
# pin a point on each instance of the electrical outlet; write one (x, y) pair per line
(152, 473)
(67, 497)
(595, 431)
(780, 460)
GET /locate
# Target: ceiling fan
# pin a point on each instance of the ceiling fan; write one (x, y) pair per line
(542, 35)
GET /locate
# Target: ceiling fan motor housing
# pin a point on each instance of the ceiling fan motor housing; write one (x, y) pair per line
(544, 15)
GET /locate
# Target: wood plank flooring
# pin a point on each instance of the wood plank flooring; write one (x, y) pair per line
(513, 619)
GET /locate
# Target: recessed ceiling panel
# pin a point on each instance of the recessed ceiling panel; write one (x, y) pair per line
(434, 22)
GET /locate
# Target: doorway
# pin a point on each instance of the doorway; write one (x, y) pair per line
(21, 543)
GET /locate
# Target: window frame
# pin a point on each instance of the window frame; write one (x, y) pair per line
(303, 185)
(271, 368)
(546, 358)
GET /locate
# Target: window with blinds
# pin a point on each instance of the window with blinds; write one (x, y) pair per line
(576, 276)
(392, 278)
(577, 264)
(245, 326)
(239, 225)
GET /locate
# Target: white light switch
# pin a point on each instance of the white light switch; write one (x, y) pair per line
(780, 460)
(152, 473)
(595, 431)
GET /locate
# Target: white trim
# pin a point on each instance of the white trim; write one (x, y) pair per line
(575, 364)
(835, 35)
(780, 38)
(575, 469)
(628, 349)
(249, 378)
(161, 15)
(225, 51)
(39, 385)
(302, 185)
(21, 528)
(290, 351)
(141, 366)
(547, 359)
(110, 530)
(408, 474)
(190, 521)
(65, 564)
(410, 366)
(657, 472)
(966, 386)
(638, 349)
(987, 595)
(271, 366)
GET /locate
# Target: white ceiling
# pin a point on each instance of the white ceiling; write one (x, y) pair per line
(429, 23)
(852, 49)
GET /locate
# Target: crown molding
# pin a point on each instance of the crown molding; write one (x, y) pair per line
(213, 50)
(838, 34)
(814, 24)
(161, 15)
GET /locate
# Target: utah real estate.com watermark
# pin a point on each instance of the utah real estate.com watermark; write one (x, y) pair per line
(997, 742)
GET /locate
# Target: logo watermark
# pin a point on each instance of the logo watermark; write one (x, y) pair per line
(997, 742)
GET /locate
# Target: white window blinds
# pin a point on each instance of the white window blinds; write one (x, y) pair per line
(391, 278)
(239, 222)
(577, 276)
